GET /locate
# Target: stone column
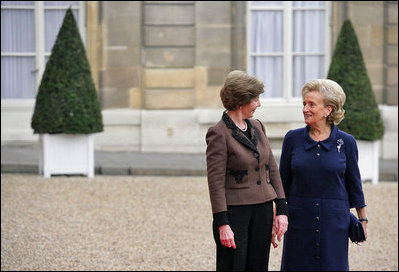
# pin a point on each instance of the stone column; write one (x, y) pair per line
(213, 53)
(168, 49)
(93, 39)
(390, 53)
(121, 72)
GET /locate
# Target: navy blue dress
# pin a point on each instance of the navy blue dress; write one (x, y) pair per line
(321, 182)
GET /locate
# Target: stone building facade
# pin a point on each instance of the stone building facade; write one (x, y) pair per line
(158, 67)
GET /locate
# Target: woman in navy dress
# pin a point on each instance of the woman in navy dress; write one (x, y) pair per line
(321, 179)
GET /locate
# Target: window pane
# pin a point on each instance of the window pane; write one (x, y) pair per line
(52, 23)
(308, 3)
(61, 3)
(305, 69)
(270, 71)
(17, 77)
(266, 32)
(306, 49)
(308, 31)
(17, 3)
(18, 73)
(266, 3)
(17, 31)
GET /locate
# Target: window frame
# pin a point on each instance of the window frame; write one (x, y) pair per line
(40, 54)
(287, 54)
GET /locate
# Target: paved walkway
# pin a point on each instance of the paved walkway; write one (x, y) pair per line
(25, 159)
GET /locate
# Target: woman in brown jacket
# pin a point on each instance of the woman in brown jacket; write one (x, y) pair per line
(243, 180)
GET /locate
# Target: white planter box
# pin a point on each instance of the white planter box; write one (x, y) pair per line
(63, 154)
(369, 160)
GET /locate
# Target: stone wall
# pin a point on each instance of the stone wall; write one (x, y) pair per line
(175, 54)
(121, 71)
(390, 53)
(376, 26)
(160, 66)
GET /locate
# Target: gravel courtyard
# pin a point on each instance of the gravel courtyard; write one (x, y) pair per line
(145, 223)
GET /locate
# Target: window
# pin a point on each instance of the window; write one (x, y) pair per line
(289, 44)
(28, 32)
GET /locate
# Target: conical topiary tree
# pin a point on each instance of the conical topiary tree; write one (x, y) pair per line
(362, 116)
(67, 100)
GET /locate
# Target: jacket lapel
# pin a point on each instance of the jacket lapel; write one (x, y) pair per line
(239, 136)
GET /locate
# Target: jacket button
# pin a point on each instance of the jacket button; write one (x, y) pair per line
(317, 204)
(317, 231)
(317, 218)
(258, 182)
(316, 244)
(318, 154)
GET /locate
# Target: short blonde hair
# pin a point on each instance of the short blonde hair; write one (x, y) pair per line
(333, 94)
(239, 89)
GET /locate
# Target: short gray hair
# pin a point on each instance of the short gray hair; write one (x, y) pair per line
(333, 94)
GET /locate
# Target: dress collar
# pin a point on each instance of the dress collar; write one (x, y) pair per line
(326, 144)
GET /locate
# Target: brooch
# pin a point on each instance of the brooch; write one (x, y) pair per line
(340, 142)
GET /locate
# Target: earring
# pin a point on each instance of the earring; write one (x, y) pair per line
(325, 116)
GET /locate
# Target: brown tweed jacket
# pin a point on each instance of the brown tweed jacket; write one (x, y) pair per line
(240, 171)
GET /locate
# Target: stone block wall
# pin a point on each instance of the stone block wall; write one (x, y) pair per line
(376, 26)
(164, 54)
(159, 66)
(175, 54)
(391, 52)
(121, 71)
(168, 48)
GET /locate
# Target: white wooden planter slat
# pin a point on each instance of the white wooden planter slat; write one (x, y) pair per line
(63, 154)
(369, 160)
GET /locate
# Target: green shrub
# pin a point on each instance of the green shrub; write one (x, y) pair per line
(67, 100)
(362, 116)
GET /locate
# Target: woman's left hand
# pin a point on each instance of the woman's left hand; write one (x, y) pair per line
(281, 225)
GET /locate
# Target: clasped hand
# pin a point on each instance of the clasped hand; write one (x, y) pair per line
(280, 226)
(227, 236)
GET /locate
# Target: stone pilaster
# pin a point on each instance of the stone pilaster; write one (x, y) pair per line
(121, 71)
(213, 52)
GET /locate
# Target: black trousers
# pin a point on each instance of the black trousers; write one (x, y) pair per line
(252, 228)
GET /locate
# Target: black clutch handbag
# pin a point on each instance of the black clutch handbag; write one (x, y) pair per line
(356, 231)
